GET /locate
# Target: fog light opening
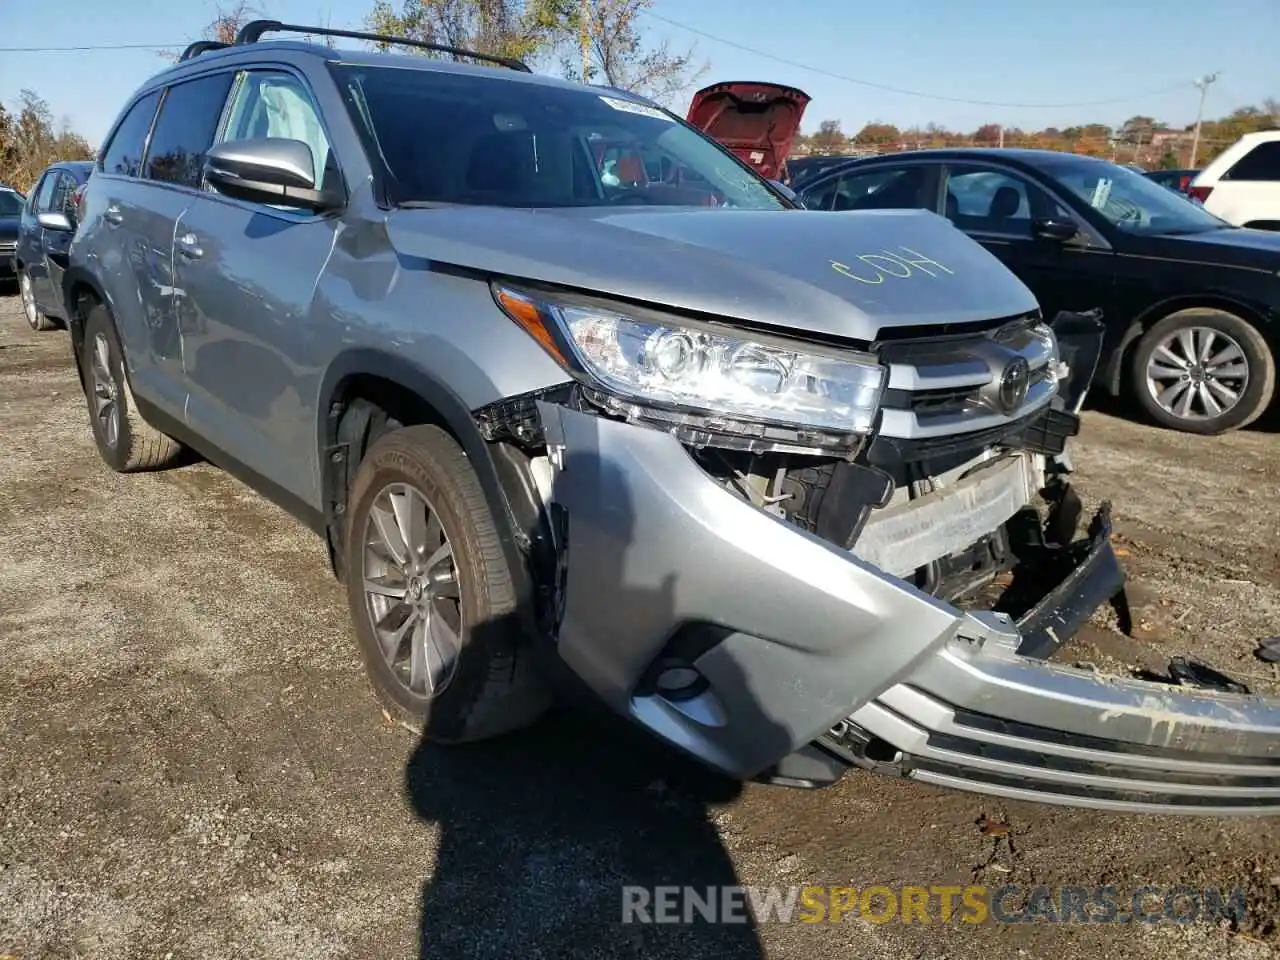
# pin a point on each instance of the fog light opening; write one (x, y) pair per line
(679, 681)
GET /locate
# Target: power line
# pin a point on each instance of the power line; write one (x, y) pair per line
(99, 46)
(902, 90)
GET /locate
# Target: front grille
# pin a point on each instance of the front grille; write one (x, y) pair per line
(944, 386)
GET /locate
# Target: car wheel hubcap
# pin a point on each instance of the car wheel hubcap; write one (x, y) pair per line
(412, 595)
(1197, 373)
(28, 300)
(106, 408)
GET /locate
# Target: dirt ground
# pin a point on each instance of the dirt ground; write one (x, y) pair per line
(191, 765)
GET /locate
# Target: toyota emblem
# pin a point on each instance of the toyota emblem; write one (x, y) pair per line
(1013, 385)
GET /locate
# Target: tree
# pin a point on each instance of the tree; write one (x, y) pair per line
(829, 138)
(505, 28)
(878, 134)
(987, 133)
(601, 41)
(29, 141)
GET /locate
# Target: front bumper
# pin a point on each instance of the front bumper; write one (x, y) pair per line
(795, 654)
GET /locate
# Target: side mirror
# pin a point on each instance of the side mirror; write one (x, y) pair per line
(1054, 228)
(787, 192)
(55, 221)
(267, 170)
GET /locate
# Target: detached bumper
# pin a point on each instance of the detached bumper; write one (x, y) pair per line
(765, 651)
(979, 717)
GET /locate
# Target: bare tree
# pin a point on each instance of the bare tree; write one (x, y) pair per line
(507, 28)
(610, 46)
(29, 141)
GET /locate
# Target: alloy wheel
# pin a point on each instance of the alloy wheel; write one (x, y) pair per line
(412, 592)
(104, 396)
(28, 300)
(1197, 373)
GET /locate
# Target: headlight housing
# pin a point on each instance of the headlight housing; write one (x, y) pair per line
(702, 376)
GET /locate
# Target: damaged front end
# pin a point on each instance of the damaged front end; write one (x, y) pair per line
(785, 604)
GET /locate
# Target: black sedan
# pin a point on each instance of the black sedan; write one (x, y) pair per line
(11, 203)
(1176, 180)
(1191, 303)
(43, 238)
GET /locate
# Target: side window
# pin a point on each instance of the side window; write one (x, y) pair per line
(123, 155)
(820, 195)
(885, 189)
(1260, 163)
(44, 199)
(63, 194)
(271, 103)
(991, 201)
(188, 120)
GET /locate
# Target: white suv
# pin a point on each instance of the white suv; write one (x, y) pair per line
(1242, 186)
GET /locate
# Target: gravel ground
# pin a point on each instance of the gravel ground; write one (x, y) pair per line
(192, 766)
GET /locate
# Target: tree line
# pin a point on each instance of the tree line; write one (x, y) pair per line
(30, 140)
(1140, 139)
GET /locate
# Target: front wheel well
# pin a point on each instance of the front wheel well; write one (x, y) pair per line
(1122, 356)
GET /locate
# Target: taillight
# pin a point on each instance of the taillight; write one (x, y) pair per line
(1200, 193)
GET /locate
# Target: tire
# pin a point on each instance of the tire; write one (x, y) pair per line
(491, 687)
(37, 319)
(1223, 330)
(126, 442)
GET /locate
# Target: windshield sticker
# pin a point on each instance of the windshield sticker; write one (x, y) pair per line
(1101, 193)
(875, 267)
(627, 106)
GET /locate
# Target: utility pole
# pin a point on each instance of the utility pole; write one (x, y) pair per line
(1203, 84)
(1002, 136)
(584, 38)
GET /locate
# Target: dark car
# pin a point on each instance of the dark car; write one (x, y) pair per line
(11, 203)
(800, 169)
(1176, 180)
(1191, 303)
(43, 239)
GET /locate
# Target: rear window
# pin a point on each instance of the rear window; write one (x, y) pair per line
(123, 155)
(10, 203)
(1260, 163)
(185, 129)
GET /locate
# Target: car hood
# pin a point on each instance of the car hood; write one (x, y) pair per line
(837, 275)
(1233, 246)
(757, 121)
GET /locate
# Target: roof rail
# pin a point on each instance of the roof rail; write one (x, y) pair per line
(252, 32)
(202, 46)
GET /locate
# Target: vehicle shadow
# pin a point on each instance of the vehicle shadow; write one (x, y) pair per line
(541, 831)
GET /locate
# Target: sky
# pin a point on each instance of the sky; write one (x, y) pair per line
(1021, 63)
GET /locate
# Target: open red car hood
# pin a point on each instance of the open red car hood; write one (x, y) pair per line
(757, 121)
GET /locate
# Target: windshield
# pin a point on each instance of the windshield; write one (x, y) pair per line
(1131, 201)
(461, 138)
(10, 203)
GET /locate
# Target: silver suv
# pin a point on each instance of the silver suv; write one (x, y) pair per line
(579, 401)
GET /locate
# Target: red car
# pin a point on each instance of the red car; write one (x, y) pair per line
(757, 121)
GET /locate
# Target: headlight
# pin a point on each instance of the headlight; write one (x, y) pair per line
(679, 364)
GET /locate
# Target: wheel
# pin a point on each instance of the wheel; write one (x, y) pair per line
(1204, 371)
(431, 595)
(127, 443)
(35, 316)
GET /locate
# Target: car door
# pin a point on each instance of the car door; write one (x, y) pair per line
(168, 184)
(998, 206)
(128, 234)
(249, 272)
(31, 237)
(56, 243)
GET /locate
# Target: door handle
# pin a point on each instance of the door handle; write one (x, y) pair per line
(189, 247)
(112, 214)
